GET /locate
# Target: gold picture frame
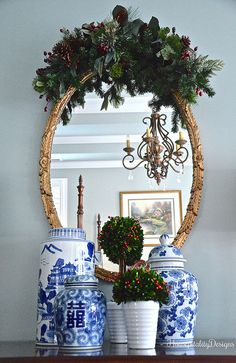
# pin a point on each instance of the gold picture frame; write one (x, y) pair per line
(158, 212)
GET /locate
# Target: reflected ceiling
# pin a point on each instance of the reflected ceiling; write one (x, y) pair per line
(95, 139)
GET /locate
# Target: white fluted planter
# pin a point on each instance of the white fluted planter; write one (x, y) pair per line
(141, 321)
(116, 323)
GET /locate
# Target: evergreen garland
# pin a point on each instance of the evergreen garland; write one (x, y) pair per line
(125, 55)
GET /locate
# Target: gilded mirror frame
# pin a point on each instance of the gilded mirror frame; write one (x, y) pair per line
(197, 159)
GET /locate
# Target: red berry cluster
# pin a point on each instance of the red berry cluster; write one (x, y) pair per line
(102, 48)
(48, 100)
(158, 286)
(198, 91)
(93, 28)
(60, 51)
(185, 54)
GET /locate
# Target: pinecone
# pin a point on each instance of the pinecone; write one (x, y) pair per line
(186, 41)
(40, 71)
(63, 51)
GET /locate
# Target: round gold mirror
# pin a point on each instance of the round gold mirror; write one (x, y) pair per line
(122, 54)
(197, 170)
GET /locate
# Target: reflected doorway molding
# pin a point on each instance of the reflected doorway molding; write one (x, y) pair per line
(197, 159)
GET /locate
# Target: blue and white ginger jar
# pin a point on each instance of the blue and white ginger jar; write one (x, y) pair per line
(65, 253)
(80, 314)
(177, 319)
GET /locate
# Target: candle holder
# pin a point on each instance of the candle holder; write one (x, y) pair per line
(129, 150)
(181, 142)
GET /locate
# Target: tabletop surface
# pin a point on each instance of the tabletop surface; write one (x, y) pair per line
(201, 347)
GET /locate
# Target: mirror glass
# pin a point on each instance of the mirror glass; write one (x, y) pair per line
(92, 145)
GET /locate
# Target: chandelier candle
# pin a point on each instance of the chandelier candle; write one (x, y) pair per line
(128, 143)
(181, 135)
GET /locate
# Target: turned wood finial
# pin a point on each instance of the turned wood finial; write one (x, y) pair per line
(80, 210)
(98, 230)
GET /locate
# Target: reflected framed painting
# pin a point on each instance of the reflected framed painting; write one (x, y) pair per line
(158, 212)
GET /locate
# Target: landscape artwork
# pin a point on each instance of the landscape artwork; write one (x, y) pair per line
(157, 212)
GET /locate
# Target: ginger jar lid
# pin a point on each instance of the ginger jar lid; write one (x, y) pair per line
(87, 280)
(166, 251)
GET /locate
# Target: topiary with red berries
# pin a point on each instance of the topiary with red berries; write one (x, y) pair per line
(121, 238)
(140, 284)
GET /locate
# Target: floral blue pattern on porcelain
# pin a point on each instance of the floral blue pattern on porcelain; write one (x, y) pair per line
(165, 251)
(176, 319)
(65, 253)
(80, 313)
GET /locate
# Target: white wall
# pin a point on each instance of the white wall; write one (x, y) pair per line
(27, 28)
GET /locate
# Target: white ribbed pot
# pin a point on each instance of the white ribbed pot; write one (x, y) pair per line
(116, 323)
(141, 321)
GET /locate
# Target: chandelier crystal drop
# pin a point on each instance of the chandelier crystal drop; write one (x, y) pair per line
(157, 151)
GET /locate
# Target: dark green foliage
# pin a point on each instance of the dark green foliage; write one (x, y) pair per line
(140, 284)
(122, 238)
(125, 55)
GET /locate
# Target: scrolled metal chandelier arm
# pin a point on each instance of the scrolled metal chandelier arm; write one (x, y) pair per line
(131, 159)
(156, 141)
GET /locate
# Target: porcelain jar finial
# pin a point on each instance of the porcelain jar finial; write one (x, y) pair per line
(165, 240)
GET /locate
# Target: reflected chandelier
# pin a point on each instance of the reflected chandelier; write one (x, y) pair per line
(157, 151)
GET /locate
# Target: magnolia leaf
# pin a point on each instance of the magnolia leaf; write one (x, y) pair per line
(154, 26)
(62, 89)
(154, 23)
(73, 73)
(98, 65)
(69, 107)
(108, 58)
(86, 28)
(86, 25)
(86, 31)
(120, 14)
(136, 25)
(39, 84)
(167, 52)
(93, 37)
(105, 101)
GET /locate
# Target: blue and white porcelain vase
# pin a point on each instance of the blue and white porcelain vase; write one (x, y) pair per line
(65, 253)
(80, 314)
(177, 319)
